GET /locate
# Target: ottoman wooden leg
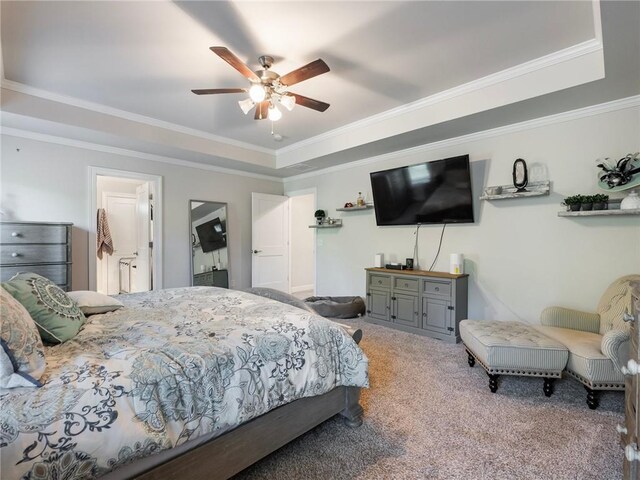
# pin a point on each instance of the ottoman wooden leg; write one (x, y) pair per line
(548, 386)
(471, 360)
(592, 398)
(493, 382)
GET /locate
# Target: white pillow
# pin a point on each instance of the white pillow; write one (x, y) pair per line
(93, 302)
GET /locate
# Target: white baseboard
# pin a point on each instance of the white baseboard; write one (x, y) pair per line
(302, 288)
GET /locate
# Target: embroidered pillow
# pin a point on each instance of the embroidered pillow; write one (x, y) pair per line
(93, 302)
(22, 361)
(57, 317)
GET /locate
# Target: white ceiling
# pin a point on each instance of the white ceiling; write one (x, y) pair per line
(144, 57)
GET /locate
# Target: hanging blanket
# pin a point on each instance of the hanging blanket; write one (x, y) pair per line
(103, 235)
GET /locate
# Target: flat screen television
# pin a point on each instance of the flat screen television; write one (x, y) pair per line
(430, 192)
(212, 235)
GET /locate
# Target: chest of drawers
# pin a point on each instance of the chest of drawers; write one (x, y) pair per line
(42, 248)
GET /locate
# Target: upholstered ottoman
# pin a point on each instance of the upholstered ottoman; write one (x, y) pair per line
(513, 348)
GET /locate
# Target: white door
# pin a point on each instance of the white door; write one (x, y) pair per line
(121, 215)
(270, 241)
(142, 278)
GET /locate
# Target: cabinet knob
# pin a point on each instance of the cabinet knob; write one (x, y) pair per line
(406, 285)
(368, 311)
(621, 429)
(632, 368)
(388, 307)
(424, 314)
(627, 317)
(15, 254)
(15, 234)
(437, 289)
(379, 282)
(631, 452)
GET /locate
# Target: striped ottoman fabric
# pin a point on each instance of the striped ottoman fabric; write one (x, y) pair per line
(513, 348)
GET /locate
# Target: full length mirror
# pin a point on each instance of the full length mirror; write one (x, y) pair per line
(209, 244)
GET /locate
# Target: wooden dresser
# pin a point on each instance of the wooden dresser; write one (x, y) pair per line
(417, 301)
(630, 431)
(38, 247)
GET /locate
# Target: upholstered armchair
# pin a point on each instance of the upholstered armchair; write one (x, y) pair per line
(598, 342)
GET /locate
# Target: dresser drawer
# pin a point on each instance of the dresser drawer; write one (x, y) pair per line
(56, 273)
(434, 287)
(408, 284)
(17, 233)
(379, 281)
(20, 254)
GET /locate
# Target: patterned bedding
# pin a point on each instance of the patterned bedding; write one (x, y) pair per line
(169, 367)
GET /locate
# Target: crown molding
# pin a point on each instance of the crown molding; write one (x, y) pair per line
(134, 117)
(564, 55)
(41, 137)
(607, 107)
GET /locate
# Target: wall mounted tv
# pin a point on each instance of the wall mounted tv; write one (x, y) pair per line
(431, 192)
(212, 235)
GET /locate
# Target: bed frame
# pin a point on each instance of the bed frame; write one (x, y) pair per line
(232, 452)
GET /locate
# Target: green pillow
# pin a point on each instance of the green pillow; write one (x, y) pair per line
(57, 317)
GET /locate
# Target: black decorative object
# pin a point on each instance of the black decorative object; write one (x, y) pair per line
(620, 173)
(409, 263)
(520, 175)
(320, 215)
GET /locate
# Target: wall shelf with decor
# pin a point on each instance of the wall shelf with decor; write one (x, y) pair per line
(600, 213)
(533, 189)
(368, 206)
(337, 224)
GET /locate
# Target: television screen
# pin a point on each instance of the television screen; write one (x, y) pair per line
(212, 235)
(431, 192)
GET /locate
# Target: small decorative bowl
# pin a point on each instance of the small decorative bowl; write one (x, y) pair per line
(493, 190)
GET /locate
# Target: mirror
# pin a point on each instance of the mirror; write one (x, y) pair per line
(209, 244)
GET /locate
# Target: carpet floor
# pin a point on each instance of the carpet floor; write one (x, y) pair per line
(429, 416)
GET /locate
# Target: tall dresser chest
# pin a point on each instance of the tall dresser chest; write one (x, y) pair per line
(631, 431)
(38, 247)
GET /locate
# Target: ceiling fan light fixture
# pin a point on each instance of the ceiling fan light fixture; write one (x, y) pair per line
(257, 92)
(246, 105)
(288, 101)
(274, 114)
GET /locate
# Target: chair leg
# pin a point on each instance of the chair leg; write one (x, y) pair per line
(493, 382)
(471, 360)
(592, 398)
(548, 386)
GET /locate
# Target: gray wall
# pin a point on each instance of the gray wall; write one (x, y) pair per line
(49, 182)
(521, 256)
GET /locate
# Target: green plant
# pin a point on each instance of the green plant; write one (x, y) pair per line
(319, 214)
(600, 198)
(588, 199)
(573, 200)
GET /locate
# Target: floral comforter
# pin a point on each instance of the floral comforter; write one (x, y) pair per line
(169, 367)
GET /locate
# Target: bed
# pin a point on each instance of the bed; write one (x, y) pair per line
(200, 380)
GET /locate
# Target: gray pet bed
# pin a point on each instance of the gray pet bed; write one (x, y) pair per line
(337, 307)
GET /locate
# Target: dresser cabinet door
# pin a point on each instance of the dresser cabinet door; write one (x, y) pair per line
(379, 305)
(436, 315)
(405, 310)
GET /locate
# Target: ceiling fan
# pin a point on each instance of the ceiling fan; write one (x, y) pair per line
(268, 88)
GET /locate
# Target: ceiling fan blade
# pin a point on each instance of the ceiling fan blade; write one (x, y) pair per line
(211, 91)
(262, 110)
(310, 102)
(310, 70)
(225, 54)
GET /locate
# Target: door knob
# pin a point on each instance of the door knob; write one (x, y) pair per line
(14, 254)
(15, 234)
(621, 429)
(632, 368)
(631, 452)
(257, 251)
(627, 317)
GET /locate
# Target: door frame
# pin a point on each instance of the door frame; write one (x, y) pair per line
(298, 193)
(156, 182)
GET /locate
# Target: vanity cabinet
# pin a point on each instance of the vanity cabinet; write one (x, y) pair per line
(417, 301)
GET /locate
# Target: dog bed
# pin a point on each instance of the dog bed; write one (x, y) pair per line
(337, 307)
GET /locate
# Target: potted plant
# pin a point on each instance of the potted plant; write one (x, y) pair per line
(319, 216)
(587, 203)
(573, 202)
(600, 201)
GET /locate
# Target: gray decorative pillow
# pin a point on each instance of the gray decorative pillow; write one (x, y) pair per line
(91, 302)
(22, 361)
(57, 316)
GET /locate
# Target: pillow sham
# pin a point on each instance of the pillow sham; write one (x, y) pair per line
(57, 317)
(22, 360)
(94, 302)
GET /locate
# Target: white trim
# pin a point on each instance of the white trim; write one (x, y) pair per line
(134, 117)
(158, 209)
(16, 132)
(615, 105)
(564, 55)
(296, 193)
(302, 288)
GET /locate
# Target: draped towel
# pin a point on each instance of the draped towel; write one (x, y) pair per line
(103, 235)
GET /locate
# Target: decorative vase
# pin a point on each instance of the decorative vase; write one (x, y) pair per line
(630, 202)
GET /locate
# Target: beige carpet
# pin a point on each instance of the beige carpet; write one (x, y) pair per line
(428, 415)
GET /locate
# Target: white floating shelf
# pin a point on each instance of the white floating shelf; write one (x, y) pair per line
(600, 213)
(337, 224)
(534, 189)
(351, 209)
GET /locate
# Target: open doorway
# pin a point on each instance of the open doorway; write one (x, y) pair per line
(302, 243)
(124, 239)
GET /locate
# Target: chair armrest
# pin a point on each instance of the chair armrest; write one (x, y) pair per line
(569, 318)
(615, 345)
